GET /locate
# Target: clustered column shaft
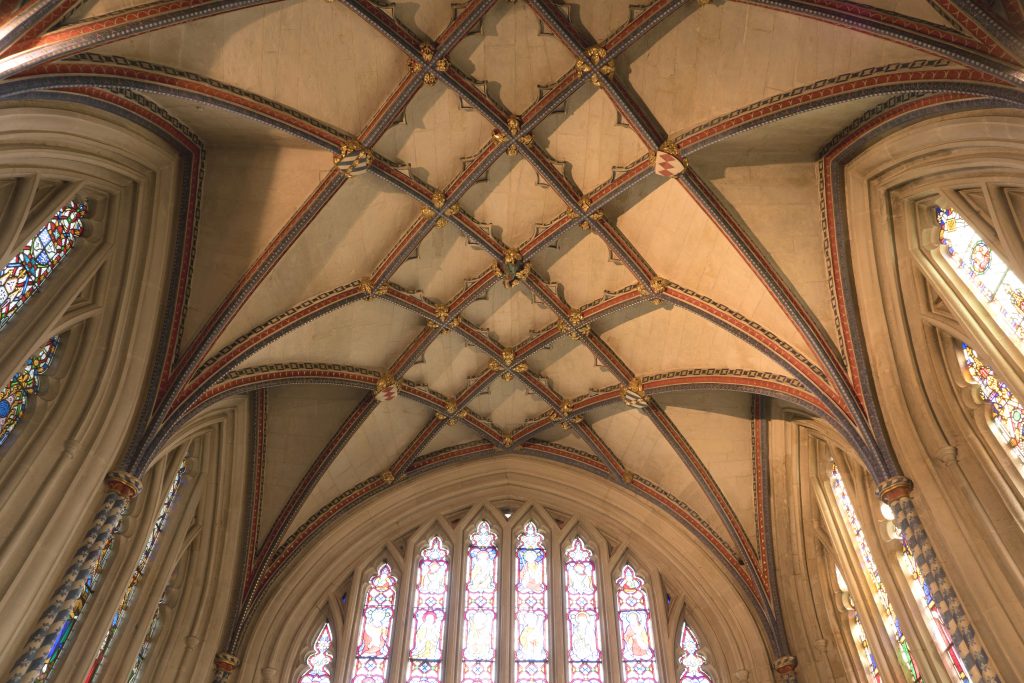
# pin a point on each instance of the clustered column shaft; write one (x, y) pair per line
(122, 488)
(895, 492)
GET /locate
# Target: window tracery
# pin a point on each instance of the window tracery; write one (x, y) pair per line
(636, 634)
(1007, 412)
(480, 620)
(860, 638)
(22, 277)
(691, 662)
(14, 397)
(531, 607)
(429, 614)
(318, 663)
(373, 644)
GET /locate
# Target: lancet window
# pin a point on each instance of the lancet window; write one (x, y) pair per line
(1007, 412)
(860, 638)
(454, 615)
(318, 662)
(155, 533)
(22, 277)
(14, 397)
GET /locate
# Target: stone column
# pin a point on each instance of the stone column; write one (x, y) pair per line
(785, 666)
(122, 488)
(224, 663)
(895, 492)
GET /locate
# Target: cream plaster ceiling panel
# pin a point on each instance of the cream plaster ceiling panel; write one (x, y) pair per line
(921, 9)
(675, 339)
(512, 56)
(571, 368)
(451, 435)
(682, 244)
(222, 128)
(301, 419)
(513, 199)
(366, 334)
(376, 444)
(718, 426)
(296, 52)
(583, 266)
(447, 364)
(780, 205)
(436, 134)
(429, 18)
(600, 19)
(441, 265)
(729, 55)
(645, 451)
(239, 217)
(510, 315)
(589, 138)
(564, 437)
(353, 232)
(508, 404)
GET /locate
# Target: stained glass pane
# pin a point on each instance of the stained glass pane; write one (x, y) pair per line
(318, 663)
(429, 611)
(14, 397)
(636, 635)
(20, 278)
(691, 663)
(140, 569)
(531, 605)
(480, 621)
(860, 638)
(373, 647)
(984, 272)
(892, 624)
(149, 639)
(583, 635)
(1007, 411)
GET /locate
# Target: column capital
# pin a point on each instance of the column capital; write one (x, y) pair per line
(124, 483)
(785, 664)
(894, 488)
(225, 661)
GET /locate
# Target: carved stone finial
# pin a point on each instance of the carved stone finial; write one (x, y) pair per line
(442, 65)
(506, 440)
(125, 484)
(785, 664)
(894, 488)
(438, 199)
(627, 477)
(225, 661)
(388, 477)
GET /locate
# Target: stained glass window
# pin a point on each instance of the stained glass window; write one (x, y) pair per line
(318, 663)
(429, 611)
(987, 275)
(14, 397)
(636, 635)
(691, 663)
(140, 569)
(480, 621)
(373, 647)
(860, 638)
(20, 278)
(531, 607)
(149, 639)
(892, 624)
(932, 617)
(1007, 411)
(583, 636)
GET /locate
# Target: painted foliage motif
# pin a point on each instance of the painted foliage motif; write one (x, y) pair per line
(429, 612)
(480, 621)
(636, 634)
(20, 278)
(583, 636)
(991, 281)
(531, 607)
(15, 396)
(373, 647)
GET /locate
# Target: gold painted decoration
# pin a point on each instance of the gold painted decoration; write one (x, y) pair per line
(633, 394)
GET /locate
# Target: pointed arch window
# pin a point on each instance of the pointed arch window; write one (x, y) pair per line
(1007, 412)
(15, 396)
(429, 613)
(991, 281)
(155, 533)
(373, 642)
(20, 278)
(860, 638)
(691, 662)
(583, 632)
(480, 620)
(318, 663)
(531, 607)
(636, 634)
(870, 569)
(149, 639)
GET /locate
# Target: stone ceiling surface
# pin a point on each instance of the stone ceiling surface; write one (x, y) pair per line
(434, 231)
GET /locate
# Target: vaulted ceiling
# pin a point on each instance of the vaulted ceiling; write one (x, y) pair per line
(420, 232)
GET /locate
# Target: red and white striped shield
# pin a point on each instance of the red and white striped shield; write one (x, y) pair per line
(387, 393)
(668, 165)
